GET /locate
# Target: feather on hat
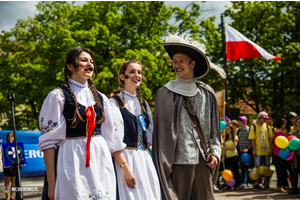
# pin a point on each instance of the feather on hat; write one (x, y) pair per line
(186, 45)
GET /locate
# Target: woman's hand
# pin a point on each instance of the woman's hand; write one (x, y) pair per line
(222, 159)
(51, 190)
(128, 176)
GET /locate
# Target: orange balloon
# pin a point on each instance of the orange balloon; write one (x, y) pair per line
(227, 175)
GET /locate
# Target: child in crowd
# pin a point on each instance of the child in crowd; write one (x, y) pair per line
(230, 154)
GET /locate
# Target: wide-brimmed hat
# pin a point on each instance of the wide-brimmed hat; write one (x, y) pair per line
(188, 46)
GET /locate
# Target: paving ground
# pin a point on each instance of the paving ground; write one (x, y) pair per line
(248, 193)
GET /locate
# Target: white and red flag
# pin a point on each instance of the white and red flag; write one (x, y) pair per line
(238, 46)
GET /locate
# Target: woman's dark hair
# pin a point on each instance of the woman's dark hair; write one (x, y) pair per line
(72, 59)
(8, 136)
(279, 123)
(232, 133)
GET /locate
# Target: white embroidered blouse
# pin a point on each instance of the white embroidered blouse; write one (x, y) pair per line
(53, 123)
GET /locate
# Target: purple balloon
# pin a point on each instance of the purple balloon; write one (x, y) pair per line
(230, 183)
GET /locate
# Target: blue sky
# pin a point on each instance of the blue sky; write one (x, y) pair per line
(10, 11)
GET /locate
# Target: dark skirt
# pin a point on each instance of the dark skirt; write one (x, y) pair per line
(9, 172)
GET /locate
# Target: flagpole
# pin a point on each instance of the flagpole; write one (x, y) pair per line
(227, 113)
(16, 164)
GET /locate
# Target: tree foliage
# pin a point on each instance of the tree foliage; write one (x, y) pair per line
(266, 84)
(33, 52)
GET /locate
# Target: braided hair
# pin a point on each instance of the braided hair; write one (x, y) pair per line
(71, 59)
(122, 70)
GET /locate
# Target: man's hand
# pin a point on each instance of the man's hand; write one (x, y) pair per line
(213, 163)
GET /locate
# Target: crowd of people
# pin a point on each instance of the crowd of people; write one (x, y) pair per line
(258, 141)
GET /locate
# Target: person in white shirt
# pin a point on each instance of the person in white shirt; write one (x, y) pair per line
(136, 174)
(80, 130)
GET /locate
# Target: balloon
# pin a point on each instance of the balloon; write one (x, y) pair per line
(246, 158)
(294, 144)
(254, 175)
(222, 125)
(227, 175)
(291, 156)
(230, 183)
(268, 171)
(261, 170)
(281, 142)
(284, 153)
(291, 137)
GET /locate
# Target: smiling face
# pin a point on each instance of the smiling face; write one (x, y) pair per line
(183, 66)
(134, 73)
(82, 73)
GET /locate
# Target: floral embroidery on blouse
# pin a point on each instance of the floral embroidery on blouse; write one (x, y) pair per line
(101, 195)
(46, 129)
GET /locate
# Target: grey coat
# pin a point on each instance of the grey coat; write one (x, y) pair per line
(165, 135)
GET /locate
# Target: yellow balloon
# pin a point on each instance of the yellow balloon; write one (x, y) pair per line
(282, 142)
(261, 170)
(254, 175)
(268, 171)
(227, 175)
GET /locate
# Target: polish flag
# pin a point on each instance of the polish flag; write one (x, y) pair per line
(238, 46)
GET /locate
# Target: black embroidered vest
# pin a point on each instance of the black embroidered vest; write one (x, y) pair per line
(131, 125)
(81, 129)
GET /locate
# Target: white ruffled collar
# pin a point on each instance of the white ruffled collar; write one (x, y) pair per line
(185, 87)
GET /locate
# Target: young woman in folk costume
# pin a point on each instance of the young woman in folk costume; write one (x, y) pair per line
(79, 130)
(137, 177)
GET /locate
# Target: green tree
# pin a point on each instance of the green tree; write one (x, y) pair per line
(266, 84)
(33, 52)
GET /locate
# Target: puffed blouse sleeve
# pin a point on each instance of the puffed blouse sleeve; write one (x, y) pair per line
(149, 133)
(112, 129)
(52, 122)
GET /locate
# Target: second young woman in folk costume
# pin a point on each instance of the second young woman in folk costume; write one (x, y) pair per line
(137, 177)
(78, 121)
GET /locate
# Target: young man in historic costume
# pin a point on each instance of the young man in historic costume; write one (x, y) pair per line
(186, 137)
